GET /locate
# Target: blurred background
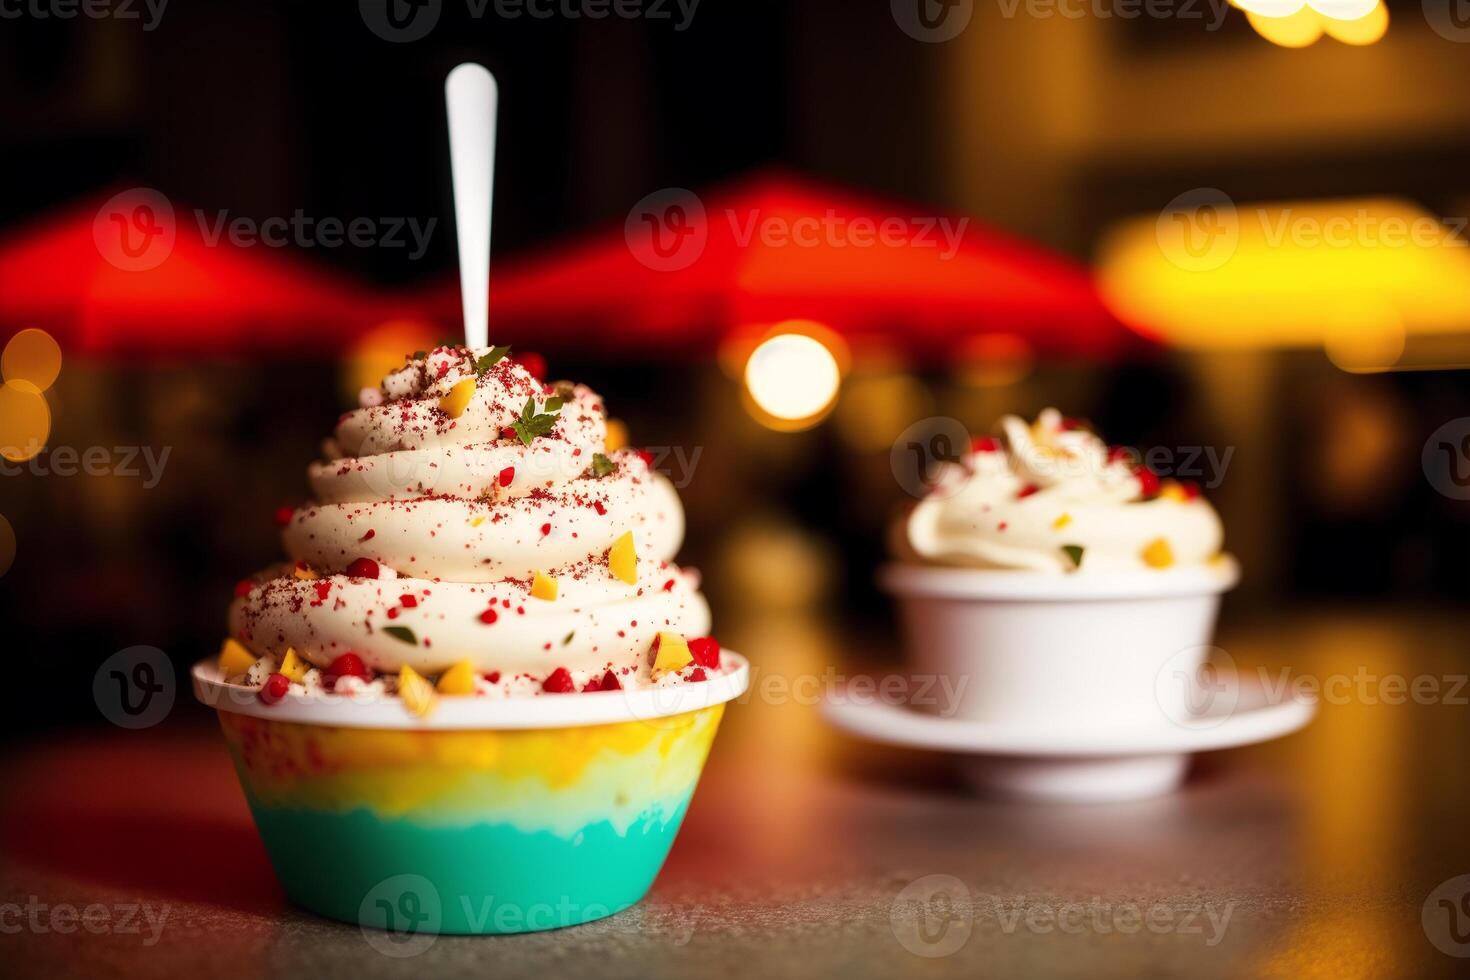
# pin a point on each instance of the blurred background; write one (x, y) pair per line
(787, 241)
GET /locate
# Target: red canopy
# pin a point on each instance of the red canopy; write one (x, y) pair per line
(165, 289)
(776, 248)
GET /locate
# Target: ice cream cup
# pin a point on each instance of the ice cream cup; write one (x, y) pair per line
(491, 816)
(1071, 651)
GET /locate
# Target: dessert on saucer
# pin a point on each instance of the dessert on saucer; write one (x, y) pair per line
(1068, 595)
(479, 676)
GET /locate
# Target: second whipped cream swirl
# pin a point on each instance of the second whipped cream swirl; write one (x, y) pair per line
(440, 487)
(1052, 496)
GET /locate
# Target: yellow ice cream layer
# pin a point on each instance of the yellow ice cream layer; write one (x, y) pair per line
(557, 779)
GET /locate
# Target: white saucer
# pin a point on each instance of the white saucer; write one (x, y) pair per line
(1076, 764)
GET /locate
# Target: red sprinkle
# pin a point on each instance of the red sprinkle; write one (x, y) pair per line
(597, 506)
(243, 587)
(985, 444)
(1148, 481)
(506, 475)
(493, 677)
(1191, 489)
(646, 456)
(409, 601)
(559, 681)
(393, 612)
(275, 688)
(669, 586)
(1027, 490)
(489, 616)
(368, 536)
(322, 588)
(697, 674)
(284, 515)
(545, 530)
(363, 568)
(706, 652)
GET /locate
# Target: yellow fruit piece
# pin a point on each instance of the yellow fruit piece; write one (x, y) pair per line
(458, 399)
(305, 571)
(622, 559)
(293, 666)
(1171, 490)
(417, 693)
(459, 679)
(673, 653)
(543, 587)
(617, 435)
(1061, 522)
(476, 522)
(234, 659)
(1158, 554)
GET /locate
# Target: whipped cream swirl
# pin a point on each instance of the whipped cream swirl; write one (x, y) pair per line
(1053, 497)
(430, 526)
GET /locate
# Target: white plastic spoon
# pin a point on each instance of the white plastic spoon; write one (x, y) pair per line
(473, 100)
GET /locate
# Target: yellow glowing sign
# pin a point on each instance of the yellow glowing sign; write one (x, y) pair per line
(793, 379)
(1358, 276)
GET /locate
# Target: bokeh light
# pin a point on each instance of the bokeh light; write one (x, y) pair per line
(33, 356)
(1360, 30)
(793, 378)
(25, 420)
(1292, 31)
(381, 350)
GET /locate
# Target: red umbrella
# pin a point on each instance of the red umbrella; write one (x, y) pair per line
(130, 275)
(685, 271)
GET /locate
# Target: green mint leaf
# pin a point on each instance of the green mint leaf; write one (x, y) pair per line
(496, 355)
(1074, 552)
(602, 466)
(403, 634)
(417, 355)
(529, 428)
(553, 404)
(529, 410)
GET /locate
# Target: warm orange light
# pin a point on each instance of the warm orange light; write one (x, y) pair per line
(381, 350)
(1359, 275)
(1292, 31)
(34, 356)
(793, 378)
(25, 420)
(1362, 30)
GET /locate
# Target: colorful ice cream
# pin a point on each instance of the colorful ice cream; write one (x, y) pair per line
(471, 523)
(1053, 497)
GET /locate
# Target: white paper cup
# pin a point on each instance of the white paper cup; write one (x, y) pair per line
(1083, 652)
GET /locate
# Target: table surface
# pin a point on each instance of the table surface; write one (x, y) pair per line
(803, 850)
